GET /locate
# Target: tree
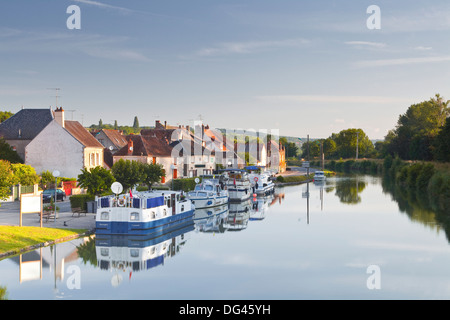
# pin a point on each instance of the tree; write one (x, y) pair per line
(413, 137)
(116, 126)
(24, 174)
(47, 179)
(346, 143)
(6, 179)
(5, 115)
(152, 173)
(7, 153)
(96, 180)
(128, 173)
(441, 150)
(136, 123)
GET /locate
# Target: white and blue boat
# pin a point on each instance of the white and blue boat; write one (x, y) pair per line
(142, 213)
(261, 181)
(238, 184)
(208, 194)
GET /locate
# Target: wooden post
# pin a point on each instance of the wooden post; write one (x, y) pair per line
(42, 208)
(20, 211)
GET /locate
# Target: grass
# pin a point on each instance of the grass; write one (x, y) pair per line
(13, 238)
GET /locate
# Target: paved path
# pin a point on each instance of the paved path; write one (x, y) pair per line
(9, 215)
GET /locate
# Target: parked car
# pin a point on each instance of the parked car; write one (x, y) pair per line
(50, 193)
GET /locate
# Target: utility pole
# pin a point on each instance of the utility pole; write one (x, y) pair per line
(357, 142)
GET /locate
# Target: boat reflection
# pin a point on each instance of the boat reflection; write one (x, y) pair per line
(239, 215)
(127, 253)
(260, 206)
(211, 219)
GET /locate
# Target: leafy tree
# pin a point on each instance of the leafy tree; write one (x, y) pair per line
(136, 123)
(442, 143)
(47, 179)
(152, 173)
(5, 115)
(96, 180)
(128, 173)
(24, 174)
(413, 137)
(6, 179)
(7, 153)
(346, 143)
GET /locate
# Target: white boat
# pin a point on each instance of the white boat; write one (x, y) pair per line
(209, 193)
(211, 219)
(238, 215)
(262, 183)
(238, 184)
(143, 213)
(319, 176)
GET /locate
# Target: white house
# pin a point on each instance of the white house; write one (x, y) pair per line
(65, 146)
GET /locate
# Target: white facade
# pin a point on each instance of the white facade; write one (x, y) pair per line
(54, 148)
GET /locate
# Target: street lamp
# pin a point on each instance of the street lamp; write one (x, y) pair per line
(56, 174)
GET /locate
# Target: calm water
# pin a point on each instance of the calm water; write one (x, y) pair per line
(349, 240)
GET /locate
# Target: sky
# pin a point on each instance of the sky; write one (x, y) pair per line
(300, 67)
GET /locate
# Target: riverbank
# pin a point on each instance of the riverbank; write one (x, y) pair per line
(15, 240)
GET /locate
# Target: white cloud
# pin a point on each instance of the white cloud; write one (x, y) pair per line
(400, 61)
(331, 99)
(366, 44)
(250, 47)
(103, 5)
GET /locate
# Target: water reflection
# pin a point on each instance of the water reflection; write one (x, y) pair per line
(348, 190)
(125, 255)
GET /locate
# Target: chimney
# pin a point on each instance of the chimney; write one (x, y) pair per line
(165, 124)
(59, 116)
(130, 147)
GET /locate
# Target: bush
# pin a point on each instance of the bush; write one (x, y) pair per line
(80, 200)
(184, 184)
(423, 179)
(439, 191)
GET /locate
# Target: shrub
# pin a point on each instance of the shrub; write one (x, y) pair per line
(80, 200)
(184, 184)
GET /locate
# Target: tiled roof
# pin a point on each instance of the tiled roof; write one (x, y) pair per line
(146, 145)
(116, 137)
(25, 124)
(81, 134)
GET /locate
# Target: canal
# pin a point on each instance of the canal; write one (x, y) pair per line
(348, 238)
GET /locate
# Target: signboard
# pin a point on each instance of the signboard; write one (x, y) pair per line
(305, 164)
(30, 204)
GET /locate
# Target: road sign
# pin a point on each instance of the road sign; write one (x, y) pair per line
(305, 164)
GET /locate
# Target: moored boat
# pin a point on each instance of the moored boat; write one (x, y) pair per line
(238, 184)
(319, 176)
(142, 213)
(209, 193)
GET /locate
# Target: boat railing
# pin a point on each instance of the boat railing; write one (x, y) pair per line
(128, 202)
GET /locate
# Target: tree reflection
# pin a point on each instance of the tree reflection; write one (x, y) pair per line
(348, 190)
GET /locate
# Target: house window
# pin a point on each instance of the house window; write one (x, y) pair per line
(92, 160)
(98, 159)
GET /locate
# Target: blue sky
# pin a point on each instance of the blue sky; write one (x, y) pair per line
(302, 67)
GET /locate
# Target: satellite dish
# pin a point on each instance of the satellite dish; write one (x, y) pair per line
(116, 187)
(56, 173)
(197, 180)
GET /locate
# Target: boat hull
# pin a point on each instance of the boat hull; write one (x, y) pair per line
(202, 203)
(146, 228)
(238, 194)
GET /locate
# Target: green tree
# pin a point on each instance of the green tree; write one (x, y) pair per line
(47, 179)
(5, 115)
(6, 179)
(136, 123)
(441, 150)
(152, 173)
(128, 173)
(24, 174)
(7, 153)
(413, 137)
(346, 143)
(96, 180)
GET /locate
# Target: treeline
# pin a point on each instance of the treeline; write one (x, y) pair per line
(135, 129)
(347, 143)
(421, 179)
(422, 133)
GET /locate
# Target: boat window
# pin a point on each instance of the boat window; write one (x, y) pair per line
(153, 214)
(164, 212)
(104, 252)
(134, 253)
(208, 188)
(104, 216)
(198, 187)
(201, 194)
(134, 216)
(182, 207)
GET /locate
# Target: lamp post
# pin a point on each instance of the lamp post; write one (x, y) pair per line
(173, 170)
(56, 174)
